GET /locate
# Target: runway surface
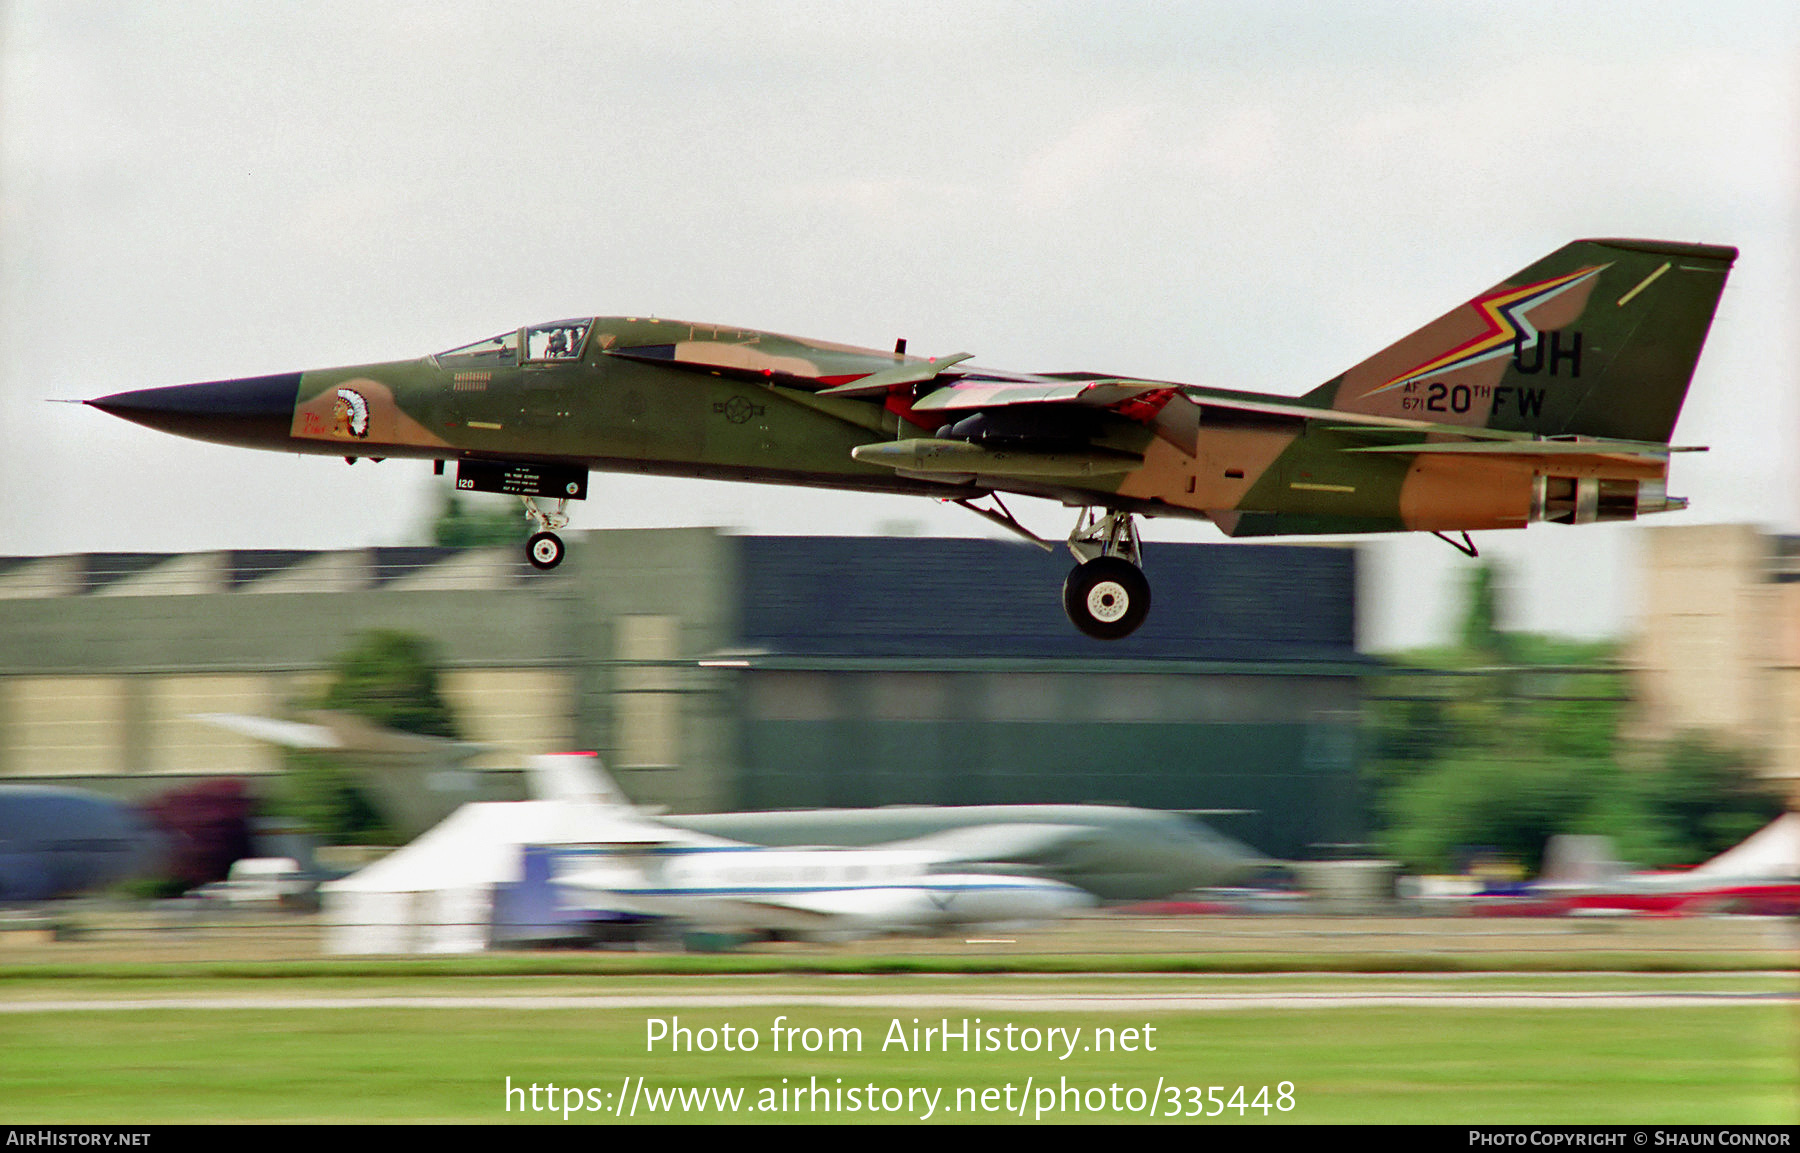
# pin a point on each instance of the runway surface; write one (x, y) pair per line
(984, 1002)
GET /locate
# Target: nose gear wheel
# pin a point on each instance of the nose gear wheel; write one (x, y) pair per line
(545, 549)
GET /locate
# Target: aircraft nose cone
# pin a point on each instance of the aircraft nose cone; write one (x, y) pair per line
(255, 412)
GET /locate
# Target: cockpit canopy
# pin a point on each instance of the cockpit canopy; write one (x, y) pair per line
(557, 340)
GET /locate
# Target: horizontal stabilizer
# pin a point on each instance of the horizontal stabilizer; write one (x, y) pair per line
(1219, 407)
(1545, 448)
(1111, 392)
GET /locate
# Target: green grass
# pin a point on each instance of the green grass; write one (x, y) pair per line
(1705, 1065)
(178, 981)
(1710, 1064)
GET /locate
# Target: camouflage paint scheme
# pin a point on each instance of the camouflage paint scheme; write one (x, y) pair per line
(1551, 396)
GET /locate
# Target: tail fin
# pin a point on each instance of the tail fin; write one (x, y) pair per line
(574, 777)
(1600, 338)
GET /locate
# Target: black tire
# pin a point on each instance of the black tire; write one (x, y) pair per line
(544, 550)
(1107, 598)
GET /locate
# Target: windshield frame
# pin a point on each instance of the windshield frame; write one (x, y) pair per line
(498, 351)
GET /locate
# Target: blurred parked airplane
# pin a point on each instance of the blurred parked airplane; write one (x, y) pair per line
(714, 883)
(58, 842)
(470, 882)
(1115, 852)
(1581, 876)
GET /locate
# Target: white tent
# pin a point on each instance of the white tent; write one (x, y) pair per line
(436, 895)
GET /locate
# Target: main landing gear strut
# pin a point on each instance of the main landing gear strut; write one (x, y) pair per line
(545, 549)
(1106, 595)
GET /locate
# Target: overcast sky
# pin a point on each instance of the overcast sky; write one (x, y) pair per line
(1251, 195)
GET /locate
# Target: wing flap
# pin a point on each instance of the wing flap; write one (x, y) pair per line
(980, 392)
(871, 375)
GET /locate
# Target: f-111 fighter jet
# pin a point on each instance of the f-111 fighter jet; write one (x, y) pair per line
(1552, 396)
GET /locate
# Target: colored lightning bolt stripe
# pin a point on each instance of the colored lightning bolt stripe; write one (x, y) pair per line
(1508, 323)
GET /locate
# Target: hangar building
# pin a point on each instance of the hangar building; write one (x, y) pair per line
(715, 672)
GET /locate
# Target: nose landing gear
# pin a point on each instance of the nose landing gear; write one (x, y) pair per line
(1106, 595)
(545, 549)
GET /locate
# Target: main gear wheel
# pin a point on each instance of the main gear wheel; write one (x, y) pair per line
(1107, 598)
